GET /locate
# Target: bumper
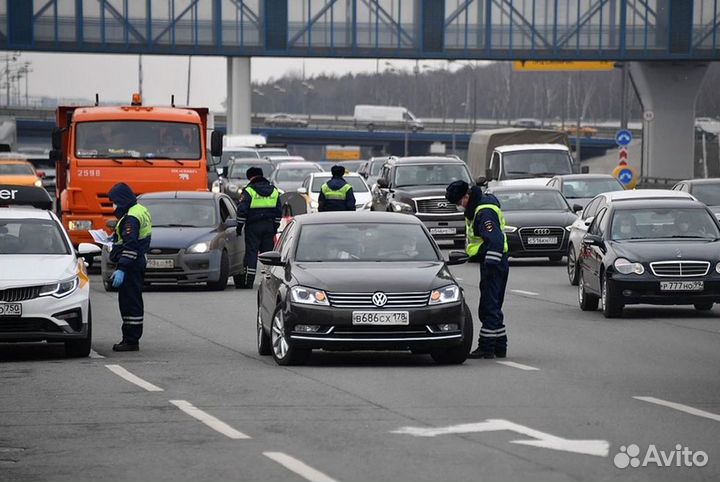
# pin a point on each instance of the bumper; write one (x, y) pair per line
(647, 291)
(187, 268)
(337, 331)
(437, 224)
(518, 249)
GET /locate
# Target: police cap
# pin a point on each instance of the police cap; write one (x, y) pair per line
(337, 170)
(253, 172)
(456, 190)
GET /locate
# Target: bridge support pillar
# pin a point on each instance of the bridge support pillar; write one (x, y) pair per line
(667, 94)
(239, 95)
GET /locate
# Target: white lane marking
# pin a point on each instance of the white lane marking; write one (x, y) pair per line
(679, 406)
(212, 422)
(300, 468)
(523, 292)
(518, 365)
(94, 354)
(122, 373)
(598, 448)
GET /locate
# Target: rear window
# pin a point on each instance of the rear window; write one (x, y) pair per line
(16, 169)
(532, 201)
(589, 188)
(357, 184)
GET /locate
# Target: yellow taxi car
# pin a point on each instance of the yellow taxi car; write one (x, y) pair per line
(16, 171)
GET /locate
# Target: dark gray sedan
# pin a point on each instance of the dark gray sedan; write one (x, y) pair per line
(193, 240)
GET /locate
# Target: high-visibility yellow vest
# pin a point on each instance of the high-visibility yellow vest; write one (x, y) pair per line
(260, 202)
(474, 243)
(339, 195)
(139, 212)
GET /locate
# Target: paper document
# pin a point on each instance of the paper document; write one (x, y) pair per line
(100, 237)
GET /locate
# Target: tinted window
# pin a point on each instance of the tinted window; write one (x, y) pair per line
(430, 174)
(654, 223)
(707, 193)
(532, 201)
(597, 224)
(31, 236)
(588, 188)
(536, 163)
(16, 170)
(591, 208)
(364, 242)
(357, 184)
(198, 213)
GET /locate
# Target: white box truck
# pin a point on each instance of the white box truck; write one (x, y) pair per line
(372, 117)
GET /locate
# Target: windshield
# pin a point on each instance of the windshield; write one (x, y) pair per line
(181, 213)
(16, 170)
(532, 201)
(431, 174)
(266, 152)
(588, 188)
(707, 193)
(137, 139)
(293, 174)
(357, 184)
(31, 236)
(536, 163)
(238, 169)
(236, 153)
(661, 223)
(364, 242)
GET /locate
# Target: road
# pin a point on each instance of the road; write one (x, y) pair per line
(205, 406)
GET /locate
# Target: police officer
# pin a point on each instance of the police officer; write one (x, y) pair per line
(259, 208)
(336, 194)
(130, 243)
(486, 240)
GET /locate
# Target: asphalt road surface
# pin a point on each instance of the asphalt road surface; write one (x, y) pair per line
(577, 396)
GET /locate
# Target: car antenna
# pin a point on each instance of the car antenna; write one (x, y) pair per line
(172, 100)
(97, 99)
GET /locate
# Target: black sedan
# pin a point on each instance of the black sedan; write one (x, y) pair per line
(661, 252)
(193, 240)
(370, 281)
(538, 220)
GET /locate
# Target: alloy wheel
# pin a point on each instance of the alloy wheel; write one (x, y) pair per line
(279, 343)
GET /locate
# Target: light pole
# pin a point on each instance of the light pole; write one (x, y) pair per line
(8, 58)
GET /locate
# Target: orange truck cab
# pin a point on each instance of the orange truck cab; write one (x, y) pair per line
(149, 148)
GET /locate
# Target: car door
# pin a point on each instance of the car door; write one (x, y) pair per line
(233, 243)
(594, 255)
(274, 276)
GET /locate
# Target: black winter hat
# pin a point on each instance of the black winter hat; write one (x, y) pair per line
(456, 190)
(253, 172)
(337, 171)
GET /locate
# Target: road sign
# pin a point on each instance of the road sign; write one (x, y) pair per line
(623, 137)
(626, 175)
(555, 65)
(623, 155)
(648, 115)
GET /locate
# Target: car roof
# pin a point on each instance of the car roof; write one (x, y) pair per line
(584, 176)
(425, 160)
(711, 180)
(24, 212)
(521, 188)
(332, 217)
(532, 147)
(180, 195)
(329, 174)
(245, 160)
(659, 203)
(645, 194)
(297, 164)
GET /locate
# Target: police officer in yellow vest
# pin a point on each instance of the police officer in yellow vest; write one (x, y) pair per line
(336, 194)
(130, 244)
(259, 213)
(486, 240)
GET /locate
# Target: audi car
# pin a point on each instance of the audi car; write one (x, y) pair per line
(370, 281)
(537, 220)
(660, 251)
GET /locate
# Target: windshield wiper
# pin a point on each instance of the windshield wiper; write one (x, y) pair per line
(174, 226)
(160, 158)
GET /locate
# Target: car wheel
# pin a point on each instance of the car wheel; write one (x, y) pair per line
(457, 354)
(555, 259)
(459, 243)
(222, 282)
(282, 350)
(263, 339)
(612, 307)
(704, 306)
(572, 267)
(108, 286)
(81, 348)
(587, 301)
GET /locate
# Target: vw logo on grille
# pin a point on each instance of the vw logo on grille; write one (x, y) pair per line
(442, 204)
(379, 298)
(541, 231)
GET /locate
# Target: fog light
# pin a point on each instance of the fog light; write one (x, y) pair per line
(307, 328)
(448, 327)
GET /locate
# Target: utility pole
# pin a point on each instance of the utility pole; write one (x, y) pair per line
(187, 97)
(140, 76)
(624, 96)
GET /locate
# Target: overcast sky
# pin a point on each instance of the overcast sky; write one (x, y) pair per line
(115, 77)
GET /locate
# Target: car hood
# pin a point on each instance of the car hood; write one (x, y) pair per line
(179, 238)
(370, 277)
(31, 269)
(539, 218)
(667, 250)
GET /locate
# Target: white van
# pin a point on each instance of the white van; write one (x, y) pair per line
(373, 116)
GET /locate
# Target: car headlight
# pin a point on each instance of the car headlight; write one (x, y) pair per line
(446, 294)
(308, 296)
(233, 187)
(625, 266)
(38, 183)
(400, 207)
(61, 289)
(80, 225)
(717, 268)
(199, 248)
(509, 229)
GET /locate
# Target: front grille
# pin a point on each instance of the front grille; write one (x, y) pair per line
(28, 325)
(13, 295)
(541, 232)
(681, 269)
(438, 205)
(394, 300)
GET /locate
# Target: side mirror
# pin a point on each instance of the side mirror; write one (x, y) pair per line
(577, 208)
(302, 190)
(216, 144)
(589, 220)
(593, 240)
(382, 183)
(111, 223)
(57, 138)
(585, 169)
(457, 257)
(230, 223)
(88, 250)
(271, 258)
(489, 175)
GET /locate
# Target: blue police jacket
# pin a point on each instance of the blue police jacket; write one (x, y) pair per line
(486, 224)
(347, 204)
(246, 215)
(130, 254)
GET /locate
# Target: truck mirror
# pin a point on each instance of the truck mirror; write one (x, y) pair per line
(216, 144)
(57, 138)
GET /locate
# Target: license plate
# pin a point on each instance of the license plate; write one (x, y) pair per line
(682, 285)
(443, 230)
(10, 309)
(381, 318)
(543, 240)
(161, 263)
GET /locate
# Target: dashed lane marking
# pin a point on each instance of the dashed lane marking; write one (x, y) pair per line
(300, 468)
(123, 373)
(523, 292)
(682, 408)
(518, 365)
(212, 422)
